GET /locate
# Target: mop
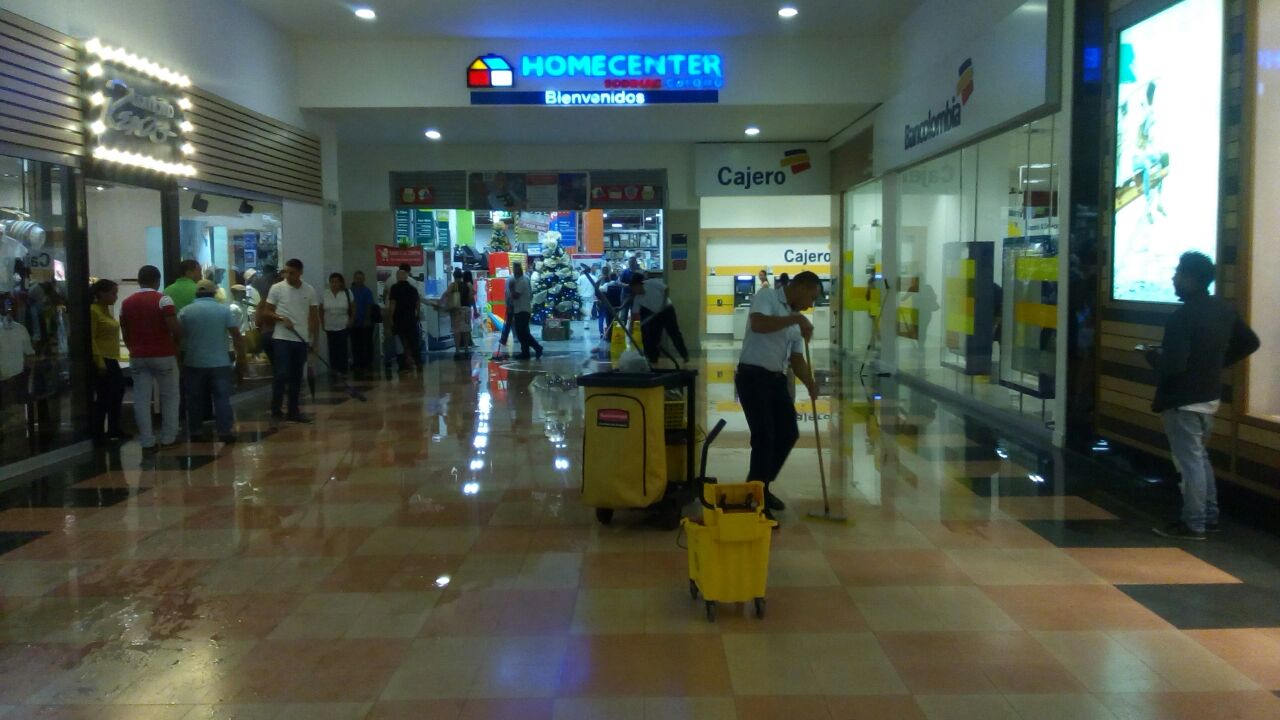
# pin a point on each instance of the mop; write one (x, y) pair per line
(825, 515)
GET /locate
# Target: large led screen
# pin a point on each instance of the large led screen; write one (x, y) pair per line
(1168, 140)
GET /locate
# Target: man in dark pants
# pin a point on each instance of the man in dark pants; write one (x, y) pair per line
(363, 325)
(522, 305)
(295, 309)
(404, 306)
(657, 317)
(776, 333)
(1201, 338)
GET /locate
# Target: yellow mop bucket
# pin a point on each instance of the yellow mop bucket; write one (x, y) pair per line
(729, 548)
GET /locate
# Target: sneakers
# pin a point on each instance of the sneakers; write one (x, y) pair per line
(1178, 531)
(299, 419)
(773, 502)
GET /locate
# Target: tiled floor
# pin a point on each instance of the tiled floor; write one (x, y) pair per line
(426, 555)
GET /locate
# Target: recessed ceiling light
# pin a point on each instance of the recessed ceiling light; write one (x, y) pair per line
(365, 13)
(433, 134)
(752, 131)
(787, 11)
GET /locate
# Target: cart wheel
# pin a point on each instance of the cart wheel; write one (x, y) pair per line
(711, 611)
(759, 608)
(604, 515)
(693, 590)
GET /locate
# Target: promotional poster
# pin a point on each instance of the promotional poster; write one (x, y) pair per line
(1168, 141)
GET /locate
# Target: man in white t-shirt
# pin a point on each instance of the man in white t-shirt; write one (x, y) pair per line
(774, 341)
(292, 304)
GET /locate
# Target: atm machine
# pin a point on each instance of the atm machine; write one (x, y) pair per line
(744, 288)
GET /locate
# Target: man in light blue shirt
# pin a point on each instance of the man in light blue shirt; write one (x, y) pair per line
(206, 323)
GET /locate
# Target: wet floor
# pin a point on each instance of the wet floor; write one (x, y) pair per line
(426, 554)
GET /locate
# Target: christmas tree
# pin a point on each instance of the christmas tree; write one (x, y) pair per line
(556, 292)
(498, 241)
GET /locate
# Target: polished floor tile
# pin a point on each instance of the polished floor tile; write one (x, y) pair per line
(387, 563)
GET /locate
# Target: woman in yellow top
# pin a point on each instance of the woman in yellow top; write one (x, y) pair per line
(108, 379)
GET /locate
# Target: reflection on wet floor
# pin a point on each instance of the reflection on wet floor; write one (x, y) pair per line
(426, 554)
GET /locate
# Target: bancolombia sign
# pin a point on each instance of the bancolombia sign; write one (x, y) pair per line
(948, 117)
(762, 169)
(1020, 76)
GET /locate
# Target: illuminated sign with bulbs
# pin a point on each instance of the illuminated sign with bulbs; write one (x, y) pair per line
(136, 111)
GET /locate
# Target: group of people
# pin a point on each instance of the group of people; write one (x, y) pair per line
(178, 342)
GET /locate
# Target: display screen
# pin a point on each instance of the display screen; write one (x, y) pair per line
(1168, 143)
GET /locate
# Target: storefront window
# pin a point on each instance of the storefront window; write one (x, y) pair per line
(237, 243)
(978, 269)
(41, 397)
(230, 236)
(863, 270)
(1264, 289)
(126, 231)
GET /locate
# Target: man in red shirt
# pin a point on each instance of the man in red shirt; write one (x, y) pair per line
(149, 322)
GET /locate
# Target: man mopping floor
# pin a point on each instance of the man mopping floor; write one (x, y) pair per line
(775, 338)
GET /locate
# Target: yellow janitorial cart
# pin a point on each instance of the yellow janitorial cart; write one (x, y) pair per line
(638, 444)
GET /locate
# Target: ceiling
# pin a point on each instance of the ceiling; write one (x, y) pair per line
(583, 19)
(526, 125)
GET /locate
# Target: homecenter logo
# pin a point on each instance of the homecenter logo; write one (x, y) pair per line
(947, 117)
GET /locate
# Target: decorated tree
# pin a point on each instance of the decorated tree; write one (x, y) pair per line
(498, 240)
(556, 292)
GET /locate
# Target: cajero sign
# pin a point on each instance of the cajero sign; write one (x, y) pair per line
(756, 169)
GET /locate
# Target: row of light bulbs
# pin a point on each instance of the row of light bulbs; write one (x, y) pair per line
(133, 62)
(125, 157)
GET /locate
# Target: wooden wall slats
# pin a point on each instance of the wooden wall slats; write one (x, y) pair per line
(40, 107)
(39, 87)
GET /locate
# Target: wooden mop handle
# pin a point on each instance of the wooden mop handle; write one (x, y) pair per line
(817, 434)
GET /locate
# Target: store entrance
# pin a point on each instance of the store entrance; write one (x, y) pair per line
(557, 249)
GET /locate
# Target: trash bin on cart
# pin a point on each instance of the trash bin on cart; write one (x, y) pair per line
(627, 435)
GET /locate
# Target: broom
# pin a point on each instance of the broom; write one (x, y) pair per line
(825, 515)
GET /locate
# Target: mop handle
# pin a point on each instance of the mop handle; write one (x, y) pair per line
(817, 435)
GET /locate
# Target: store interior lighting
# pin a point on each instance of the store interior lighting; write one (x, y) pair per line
(365, 13)
(752, 130)
(786, 11)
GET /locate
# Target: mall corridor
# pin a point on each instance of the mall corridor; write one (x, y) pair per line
(426, 554)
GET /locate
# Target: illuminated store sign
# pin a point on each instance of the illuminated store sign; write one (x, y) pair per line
(675, 70)
(136, 111)
(948, 117)
(621, 80)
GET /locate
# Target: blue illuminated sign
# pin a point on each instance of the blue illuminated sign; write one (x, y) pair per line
(674, 70)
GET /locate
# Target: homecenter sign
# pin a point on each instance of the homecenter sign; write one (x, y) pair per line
(675, 71)
(597, 79)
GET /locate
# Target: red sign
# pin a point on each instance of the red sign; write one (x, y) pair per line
(416, 195)
(392, 256)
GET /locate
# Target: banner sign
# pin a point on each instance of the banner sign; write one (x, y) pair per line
(757, 169)
(390, 256)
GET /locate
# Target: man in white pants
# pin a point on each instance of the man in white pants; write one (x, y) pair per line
(149, 323)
